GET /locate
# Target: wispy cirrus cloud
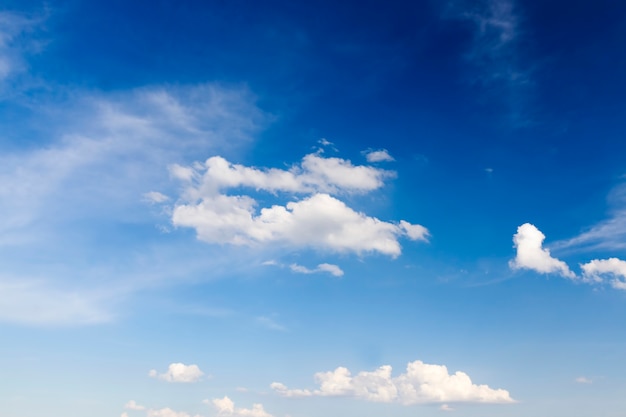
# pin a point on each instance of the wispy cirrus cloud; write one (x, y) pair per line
(12, 46)
(494, 52)
(96, 164)
(421, 383)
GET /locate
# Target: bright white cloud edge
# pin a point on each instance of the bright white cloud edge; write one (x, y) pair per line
(319, 220)
(421, 383)
(179, 372)
(226, 407)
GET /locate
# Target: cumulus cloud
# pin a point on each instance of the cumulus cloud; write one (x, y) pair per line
(179, 372)
(378, 156)
(168, 412)
(132, 405)
(446, 407)
(226, 407)
(328, 268)
(421, 383)
(319, 220)
(613, 268)
(531, 255)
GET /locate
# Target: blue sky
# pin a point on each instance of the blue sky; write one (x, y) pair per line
(279, 209)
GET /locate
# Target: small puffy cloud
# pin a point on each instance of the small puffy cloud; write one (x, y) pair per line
(124, 414)
(226, 407)
(421, 383)
(168, 412)
(583, 380)
(132, 405)
(328, 268)
(531, 255)
(179, 372)
(446, 407)
(378, 156)
(595, 270)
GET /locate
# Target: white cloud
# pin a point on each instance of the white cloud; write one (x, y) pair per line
(531, 255)
(328, 268)
(124, 414)
(378, 156)
(314, 174)
(226, 407)
(132, 405)
(179, 372)
(168, 412)
(446, 407)
(422, 383)
(320, 221)
(155, 197)
(595, 270)
(583, 380)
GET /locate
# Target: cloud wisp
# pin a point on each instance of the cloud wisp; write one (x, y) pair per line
(421, 384)
(495, 51)
(318, 220)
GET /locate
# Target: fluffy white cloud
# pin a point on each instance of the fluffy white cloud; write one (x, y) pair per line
(320, 221)
(168, 412)
(329, 268)
(314, 174)
(179, 372)
(596, 269)
(422, 383)
(583, 380)
(132, 405)
(226, 407)
(446, 407)
(531, 255)
(378, 156)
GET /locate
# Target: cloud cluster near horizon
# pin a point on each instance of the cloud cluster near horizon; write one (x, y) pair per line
(314, 216)
(531, 255)
(421, 383)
